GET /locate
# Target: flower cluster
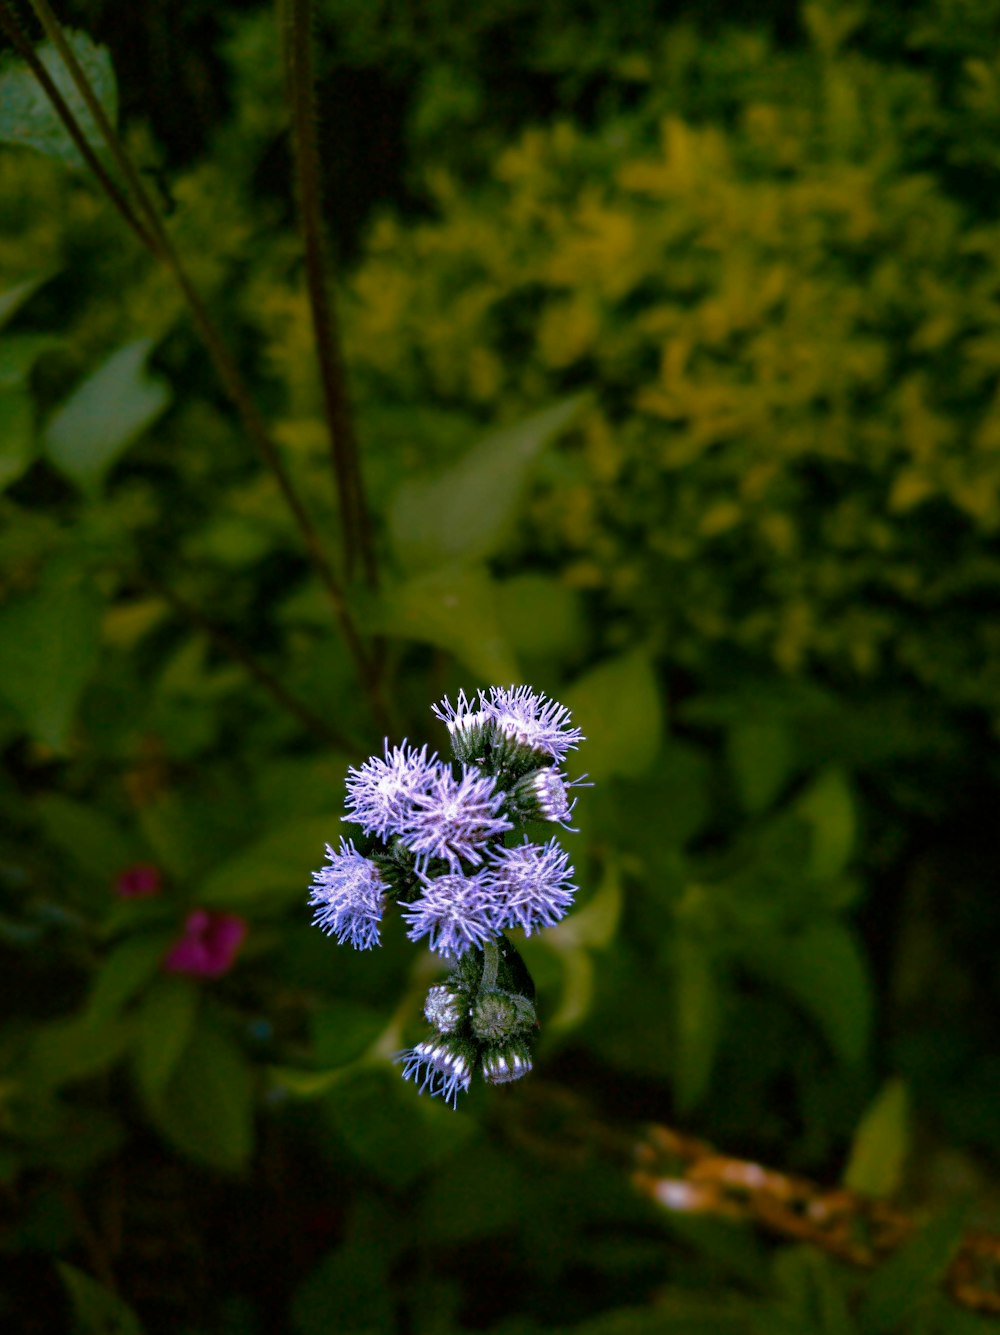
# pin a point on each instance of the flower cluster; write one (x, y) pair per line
(438, 839)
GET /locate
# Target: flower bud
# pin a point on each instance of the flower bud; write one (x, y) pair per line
(443, 1008)
(506, 1062)
(500, 1015)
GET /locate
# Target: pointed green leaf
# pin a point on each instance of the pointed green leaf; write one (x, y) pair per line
(821, 968)
(14, 297)
(28, 118)
(617, 705)
(899, 1285)
(456, 610)
(206, 1110)
(17, 438)
(881, 1143)
(696, 993)
(827, 805)
(105, 414)
(467, 513)
(276, 868)
(132, 963)
(760, 757)
(97, 1311)
(48, 650)
(164, 1025)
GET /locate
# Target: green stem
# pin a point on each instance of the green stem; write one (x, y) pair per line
(491, 966)
(296, 24)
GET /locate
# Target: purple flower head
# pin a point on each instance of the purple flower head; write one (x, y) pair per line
(349, 896)
(454, 818)
(545, 794)
(209, 944)
(381, 793)
(531, 885)
(442, 1065)
(140, 881)
(530, 718)
(454, 912)
(461, 716)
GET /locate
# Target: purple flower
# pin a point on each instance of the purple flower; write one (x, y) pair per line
(461, 716)
(381, 793)
(349, 896)
(547, 795)
(454, 912)
(139, 881)
(454, 818)
(530, 718)
(531, 885)
(209, 945)
(442, 1065)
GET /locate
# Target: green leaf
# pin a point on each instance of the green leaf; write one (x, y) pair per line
(618, 707)
(96, 1310)
(92, 841)
(15, 297)
(913, 1272)
(823, 969)
(761, 756)
(697, 1020)
(164, 1024)
(466, 514)
(104, 415)
(345, 1030)
(17, 437)
(48, 650)
(206, 1109)
(28, 118)
(130, 964)
(276, 869)
(74, 1049)
(455, 610)
(881, 1143)
(18, 354)
(539, 616)
(827, 805)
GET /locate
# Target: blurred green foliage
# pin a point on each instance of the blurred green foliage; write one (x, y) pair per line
(674, 347)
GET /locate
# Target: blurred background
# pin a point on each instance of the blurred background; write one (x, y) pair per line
(671, 337)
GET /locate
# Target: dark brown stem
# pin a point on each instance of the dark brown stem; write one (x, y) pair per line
(296, 27)
(12, 30)
(224, 362)
(312, 723)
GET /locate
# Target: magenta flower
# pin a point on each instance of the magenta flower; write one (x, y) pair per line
(209, 945)
(139, 881)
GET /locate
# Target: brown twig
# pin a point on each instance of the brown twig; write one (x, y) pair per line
(296, 28)
(225, 364)
(12, 30)
(240, 654)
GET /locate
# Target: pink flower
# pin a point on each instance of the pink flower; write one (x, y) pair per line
(209, 945)
(139, 881)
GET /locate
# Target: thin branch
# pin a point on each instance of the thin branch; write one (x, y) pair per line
(239, 652)
(12, 30)
(225, 364)
(296, 25)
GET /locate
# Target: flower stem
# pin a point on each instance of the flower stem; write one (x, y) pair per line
(222, 358)
(296, 16)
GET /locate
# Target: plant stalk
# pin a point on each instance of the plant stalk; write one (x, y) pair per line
(296, 18)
